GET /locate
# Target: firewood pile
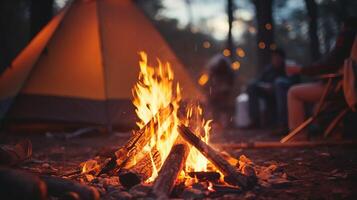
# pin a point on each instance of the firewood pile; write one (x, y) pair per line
(230, 177)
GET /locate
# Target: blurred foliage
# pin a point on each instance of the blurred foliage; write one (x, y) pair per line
(190, 44)
(14, 29)
(186, 43)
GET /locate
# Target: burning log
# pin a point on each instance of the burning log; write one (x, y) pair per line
(136, 143)
(170, 170)
(224, 189)
(232, 175)
(140, 171)
(205, 176)
(59, 187)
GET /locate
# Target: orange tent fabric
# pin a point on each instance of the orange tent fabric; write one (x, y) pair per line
(82, 66)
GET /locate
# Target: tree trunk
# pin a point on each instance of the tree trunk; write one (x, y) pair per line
(230, 9)
(189, 13)
(311, 7)
(41, 12)
(265, 30)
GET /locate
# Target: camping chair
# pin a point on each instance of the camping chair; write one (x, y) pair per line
(340, 83)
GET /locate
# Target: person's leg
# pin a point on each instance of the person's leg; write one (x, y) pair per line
(297, 96)
(253, 103)
(281, 87)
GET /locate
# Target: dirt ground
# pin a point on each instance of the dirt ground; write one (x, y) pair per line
(318, 173)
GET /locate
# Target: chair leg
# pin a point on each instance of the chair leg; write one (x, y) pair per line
(335, 122)
(297, 129)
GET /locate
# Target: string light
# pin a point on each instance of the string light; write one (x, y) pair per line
(261, 45)
(206, 44)
(203, 79)
(268, 26)
(240, 52)
(226, 52)
(235, 65)
(273, 46)
(252, 30)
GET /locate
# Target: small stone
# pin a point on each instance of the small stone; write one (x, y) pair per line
(250, 195)
(140, 190)
(192, 193)
(230, 196)
(117, 194)
(95, 180)
(103, 175)
(114, 180)
(70, 196)
(200, 186)
(45, 165)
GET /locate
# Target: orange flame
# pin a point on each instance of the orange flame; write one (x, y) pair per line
(89, 166)
(155, 90)
(194, 119)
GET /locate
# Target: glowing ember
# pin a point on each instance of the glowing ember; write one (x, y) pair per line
(89, 166)
(156, 90)
(210, 187)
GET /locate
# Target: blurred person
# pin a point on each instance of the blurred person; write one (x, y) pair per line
(271, 86)
(311, 92)
(282, 85)
(220, 89)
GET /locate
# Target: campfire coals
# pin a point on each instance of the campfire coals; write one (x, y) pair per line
(195, 185)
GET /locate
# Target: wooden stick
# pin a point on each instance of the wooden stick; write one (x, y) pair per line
(232, 175)
(298, 129)
(225, 189)
(136, 143)
(301, 144)
(141, 171)
(174, 163)
(59, 186)
(15, 154)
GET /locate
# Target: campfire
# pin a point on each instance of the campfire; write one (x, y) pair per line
(171, 148)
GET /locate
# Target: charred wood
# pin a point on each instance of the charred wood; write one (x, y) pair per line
(224, 189)
(174, 163)
(141, 171)
(136, 143)
(205, 176)
(232, 175)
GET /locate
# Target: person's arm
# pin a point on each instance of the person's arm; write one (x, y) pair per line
(333, 60)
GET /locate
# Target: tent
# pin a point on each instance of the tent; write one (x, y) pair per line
(82, 65)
